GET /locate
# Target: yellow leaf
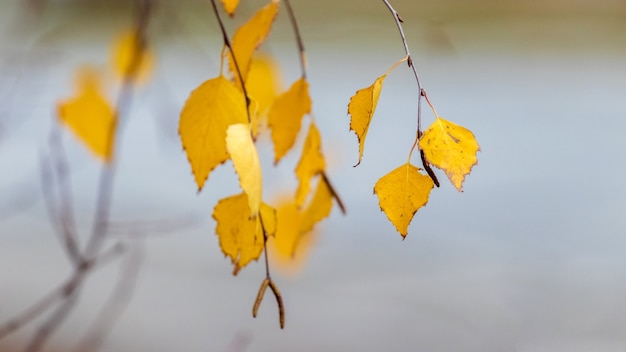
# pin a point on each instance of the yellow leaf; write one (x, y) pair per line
(361, 109)
(311, 163)
(401, 193)
(89, 116)
(245, 158)
(451, 148)
(209, 110)
(240, 235)
(248, 38)
(129, 58)
(319, 208)
(230, 6)
(285, 117)
(263, 82)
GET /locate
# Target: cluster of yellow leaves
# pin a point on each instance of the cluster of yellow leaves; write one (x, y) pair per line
(445, 145)
(216, 126)
(88, 114)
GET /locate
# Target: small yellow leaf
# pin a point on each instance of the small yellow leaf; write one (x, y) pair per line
(240, 235)
(401, 193)
(230, 6)
(361, 109)
(209, 110)
(285, 117)
(249, 37)
(89, 116)
(245, 158)
(130, 59)
(311, 163)
(451, 148)
(319, 208)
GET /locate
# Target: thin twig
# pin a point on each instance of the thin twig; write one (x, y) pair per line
(294, 25)
(59, 293)
(66, 208)
(421, 93)
(116, 304)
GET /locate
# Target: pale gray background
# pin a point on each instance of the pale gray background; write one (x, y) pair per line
(529, 258)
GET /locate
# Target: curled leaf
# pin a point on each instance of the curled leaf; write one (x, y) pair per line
(245, 157)
(452, 148)
(401, 193)
(285, 117)
(361, 110)
(209, 110)
(90, 116)
(311, 163)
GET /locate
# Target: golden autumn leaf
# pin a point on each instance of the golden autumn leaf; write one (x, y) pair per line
(451, 148)
(361, 109)
(209, 110)
(240, 235)
(311, 163)
(129, 59)
(230, 6)
(285, 117)
(245, 157)
(319, 208)
(401, 193)
(249, 37)
(89, 116)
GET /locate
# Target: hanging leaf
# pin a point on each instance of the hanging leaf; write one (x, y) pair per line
(401, 193)
(249, 37)
(361, 109)
(130, 58)
(285, 117)
(245, 158)
(89, 116)
(209, 110)
(230, 6)
(452, 148)
(241, 235)
(311, 163)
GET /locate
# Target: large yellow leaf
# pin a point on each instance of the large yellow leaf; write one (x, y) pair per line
(285, 117)
(230, 6)
(451, 148)
(129, 59)
(89, 116)
(209, 110)
(401, 193)
(248, 38)
(311, 163)
(245, 158)
(240, 235)
(319, 208)
(361, 109)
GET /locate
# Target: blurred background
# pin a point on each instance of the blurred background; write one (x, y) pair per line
(529, 258)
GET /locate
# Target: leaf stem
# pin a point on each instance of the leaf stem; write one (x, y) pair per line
(230, 48)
